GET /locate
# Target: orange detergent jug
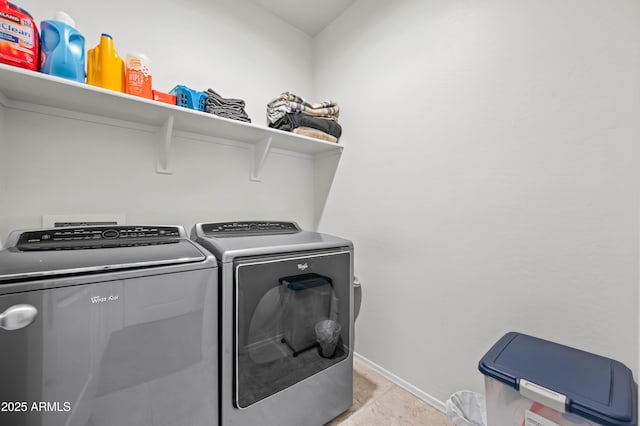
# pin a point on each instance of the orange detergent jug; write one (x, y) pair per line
(104, 67)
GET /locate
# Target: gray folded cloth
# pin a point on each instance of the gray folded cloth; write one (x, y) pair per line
(231, 115)
(225, 107)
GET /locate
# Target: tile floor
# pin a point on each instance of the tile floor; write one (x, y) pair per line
(379, 402)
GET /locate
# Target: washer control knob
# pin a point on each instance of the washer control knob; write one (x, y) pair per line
(110, 233)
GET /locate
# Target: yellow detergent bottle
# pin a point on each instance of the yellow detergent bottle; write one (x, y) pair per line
(104, 67)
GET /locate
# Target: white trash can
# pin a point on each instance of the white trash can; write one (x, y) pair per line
(467, 408)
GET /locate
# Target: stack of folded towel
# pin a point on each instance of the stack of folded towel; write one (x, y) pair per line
(226, 107)
(292, 113)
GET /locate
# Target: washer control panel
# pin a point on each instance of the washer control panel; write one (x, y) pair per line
(241, 229)
(88, 237)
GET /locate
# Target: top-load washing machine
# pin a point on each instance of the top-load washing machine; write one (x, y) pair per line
(106, 326)
(286, 324)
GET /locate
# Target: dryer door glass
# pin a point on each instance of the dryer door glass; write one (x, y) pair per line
(292, 317)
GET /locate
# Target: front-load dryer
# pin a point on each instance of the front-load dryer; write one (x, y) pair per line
(283, 291)
(105, 326)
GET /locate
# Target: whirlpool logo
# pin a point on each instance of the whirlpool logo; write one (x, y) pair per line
(100, 299)
(302, 266)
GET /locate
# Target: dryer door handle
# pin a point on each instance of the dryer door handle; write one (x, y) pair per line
(17, 317)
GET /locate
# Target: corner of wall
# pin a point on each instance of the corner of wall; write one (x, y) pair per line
(429, 399)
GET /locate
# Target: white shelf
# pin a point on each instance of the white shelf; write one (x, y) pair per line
(20, 87)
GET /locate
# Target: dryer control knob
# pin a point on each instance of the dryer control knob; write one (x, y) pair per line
(17, 317)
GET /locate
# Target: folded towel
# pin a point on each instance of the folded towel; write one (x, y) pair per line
(219, 100)
(288, 102)
(230, 115)
(290, 121)
(226, 107)
(314, 133)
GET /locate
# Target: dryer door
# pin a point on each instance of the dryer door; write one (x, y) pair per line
(292, 317)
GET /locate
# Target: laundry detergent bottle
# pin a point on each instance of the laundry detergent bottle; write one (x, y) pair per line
(19, 38)
(62, 48)
(104, 67)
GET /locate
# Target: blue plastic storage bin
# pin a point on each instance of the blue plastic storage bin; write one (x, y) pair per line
(534, 382)
(189, 98)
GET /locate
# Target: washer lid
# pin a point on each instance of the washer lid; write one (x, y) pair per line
(243, 244)
(597, 388)
(44, 253)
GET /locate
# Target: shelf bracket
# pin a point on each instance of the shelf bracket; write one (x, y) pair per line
(260, 152)
(164, 143)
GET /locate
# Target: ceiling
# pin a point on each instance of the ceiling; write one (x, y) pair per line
(310, 16)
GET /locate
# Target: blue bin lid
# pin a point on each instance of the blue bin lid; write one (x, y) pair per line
(597, 388)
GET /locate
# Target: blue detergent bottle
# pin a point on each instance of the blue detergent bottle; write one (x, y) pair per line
(62, 48)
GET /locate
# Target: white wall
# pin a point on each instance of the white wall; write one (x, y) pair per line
(490, 177)
(64, 166)
(112, 170)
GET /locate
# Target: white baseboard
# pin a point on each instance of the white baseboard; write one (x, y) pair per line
(434, 402)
